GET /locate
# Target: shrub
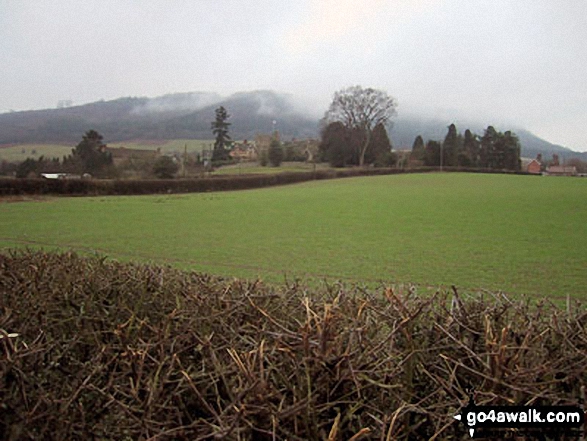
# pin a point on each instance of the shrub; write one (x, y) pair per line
(165, 167)
(93, 349)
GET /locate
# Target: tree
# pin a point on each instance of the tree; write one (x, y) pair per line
(432, 154)
(511, 152)
(165, 167)
(418, 150)
(220, 129)
(91, 154)
(379, 151)
(361, 110)
(336, 145)
(581, 166)
(487, 150)
(470, 150)
(275, 153)
(500, 151)
(451, 147)
(26, 168)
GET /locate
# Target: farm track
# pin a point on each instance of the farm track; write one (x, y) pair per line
(148, 257)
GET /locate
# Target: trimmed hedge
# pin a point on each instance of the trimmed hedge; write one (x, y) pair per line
(95, 349)
(96, 187)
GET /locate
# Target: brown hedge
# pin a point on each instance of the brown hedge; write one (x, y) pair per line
(96, 349)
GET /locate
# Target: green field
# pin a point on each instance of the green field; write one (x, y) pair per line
(520, 234)
(18, 153)
(168, 146)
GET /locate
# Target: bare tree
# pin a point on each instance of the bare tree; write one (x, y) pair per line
(361, 109)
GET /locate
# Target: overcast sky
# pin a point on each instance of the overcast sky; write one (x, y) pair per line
(517, 62)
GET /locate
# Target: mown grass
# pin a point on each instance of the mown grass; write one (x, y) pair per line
(520, 234)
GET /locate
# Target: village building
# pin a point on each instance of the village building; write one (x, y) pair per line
(561, 170)
(244, 151)
(534, 167)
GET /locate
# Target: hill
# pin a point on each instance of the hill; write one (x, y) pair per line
(188, 116)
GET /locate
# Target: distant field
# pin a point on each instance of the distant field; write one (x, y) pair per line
(520, 234)
(175, 145)
(17, 153)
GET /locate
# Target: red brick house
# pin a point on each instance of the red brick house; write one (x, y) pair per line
(534, 167)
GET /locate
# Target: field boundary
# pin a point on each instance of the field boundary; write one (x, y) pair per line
(91, 187)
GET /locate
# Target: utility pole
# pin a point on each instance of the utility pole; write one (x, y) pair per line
(185, 159)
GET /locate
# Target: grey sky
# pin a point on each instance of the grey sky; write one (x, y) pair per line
(504, 62)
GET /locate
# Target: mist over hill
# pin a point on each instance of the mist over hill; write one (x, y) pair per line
(189, 115)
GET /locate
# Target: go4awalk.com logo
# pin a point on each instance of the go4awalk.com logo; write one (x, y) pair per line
(485, 421)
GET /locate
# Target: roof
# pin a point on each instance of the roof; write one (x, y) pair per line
(561, 169)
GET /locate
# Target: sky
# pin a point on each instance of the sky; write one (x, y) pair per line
(510, 63)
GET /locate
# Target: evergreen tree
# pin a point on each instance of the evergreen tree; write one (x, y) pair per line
(336, 145)
(512, 149)
(26, 168)
(451, 147)
(487, 150)
(220, 129)
(432, 154)
(90, 154)
(470, 156)
(500, 151)
(418, 149)
(379, 150)
(275, 153)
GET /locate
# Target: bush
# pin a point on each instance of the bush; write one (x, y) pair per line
(165, 167)
(96, 349)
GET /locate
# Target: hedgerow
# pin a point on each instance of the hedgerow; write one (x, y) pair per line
(96, 187)
(91, 348)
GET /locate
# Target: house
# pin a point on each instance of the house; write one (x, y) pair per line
(561, 170)
(534, 167)
(244, 151)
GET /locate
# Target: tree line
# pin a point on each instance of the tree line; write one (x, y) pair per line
(353, 133)
(493, 150)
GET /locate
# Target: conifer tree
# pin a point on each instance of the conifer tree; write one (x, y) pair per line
(418, 150)
(220, 129)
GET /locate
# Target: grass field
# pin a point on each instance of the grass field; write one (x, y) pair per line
(520, 234)
(18, 153)
(168, 146)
